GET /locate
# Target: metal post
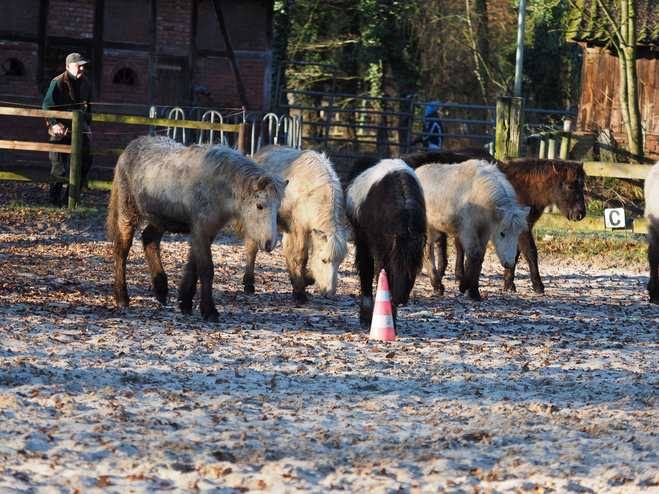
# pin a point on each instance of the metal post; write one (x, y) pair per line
(76, 158)
(520, 48)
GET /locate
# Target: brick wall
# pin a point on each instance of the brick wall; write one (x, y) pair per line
(126, 21)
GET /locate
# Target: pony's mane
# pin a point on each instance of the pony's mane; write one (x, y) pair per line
(542, 169)
(331, 219)
(360, 185)
(489, 180)
(243, 173)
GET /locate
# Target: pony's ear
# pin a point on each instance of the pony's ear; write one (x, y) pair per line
(526, 210)
(319, 233)
(262, 183)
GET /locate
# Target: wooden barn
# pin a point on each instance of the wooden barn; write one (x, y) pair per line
(141, 53)
(599, 105)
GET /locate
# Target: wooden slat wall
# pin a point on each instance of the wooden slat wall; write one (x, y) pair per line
(599, 107)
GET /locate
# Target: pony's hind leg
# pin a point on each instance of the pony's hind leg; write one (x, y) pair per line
(251, 249)
(429, 261)
(459, 260)
(151, 237)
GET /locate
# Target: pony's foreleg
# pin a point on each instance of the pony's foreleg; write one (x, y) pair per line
(202, 260)
(251, 249)
(151, 237)
(122, 242)
(525, 245)
(475, 250)
(296, 252)
(365, 268)
(459, 261)
(188, 286)
(653, 259)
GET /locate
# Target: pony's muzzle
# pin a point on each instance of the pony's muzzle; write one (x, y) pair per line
(578, 216)
(269, 245)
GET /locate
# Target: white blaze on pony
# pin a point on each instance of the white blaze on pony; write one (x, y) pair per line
(470, 201)
(196, 190)
(652, 219)
(311, 217)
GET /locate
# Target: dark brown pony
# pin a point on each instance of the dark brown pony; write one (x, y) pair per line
(539, 183)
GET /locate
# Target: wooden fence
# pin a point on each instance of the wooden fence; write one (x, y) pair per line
(75, 149)
(549, 220)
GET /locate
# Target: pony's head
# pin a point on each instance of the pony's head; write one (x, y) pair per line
(259, 211)
(568, 196)
(406, 262)
(328, 249)
(506, 232)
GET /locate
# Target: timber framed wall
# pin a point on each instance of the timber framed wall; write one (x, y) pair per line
(191, 53)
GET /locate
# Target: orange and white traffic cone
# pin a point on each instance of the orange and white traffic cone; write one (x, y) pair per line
(382, 324)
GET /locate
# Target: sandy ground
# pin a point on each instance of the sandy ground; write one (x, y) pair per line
(519, 393)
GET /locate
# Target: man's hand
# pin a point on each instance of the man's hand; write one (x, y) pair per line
(58, 130)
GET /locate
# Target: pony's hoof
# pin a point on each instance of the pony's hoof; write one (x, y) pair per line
(186, 311)
(539, 289)
(654, 301)
(212, 318)
(439, 291)
(122, 303)
(300, 298)
(161, 297)
(249, 289)
(476, 297)
(510, 288)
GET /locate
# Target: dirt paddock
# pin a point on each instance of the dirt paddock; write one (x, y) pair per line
(518, 393)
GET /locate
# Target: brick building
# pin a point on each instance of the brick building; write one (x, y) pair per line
(141, 53)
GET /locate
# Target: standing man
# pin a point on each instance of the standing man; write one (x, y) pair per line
(431, 137)
(68, 91)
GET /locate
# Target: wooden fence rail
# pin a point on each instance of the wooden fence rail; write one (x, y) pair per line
(75, 149)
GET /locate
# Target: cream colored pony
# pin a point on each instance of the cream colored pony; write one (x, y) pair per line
(311, 217)
(470, 201)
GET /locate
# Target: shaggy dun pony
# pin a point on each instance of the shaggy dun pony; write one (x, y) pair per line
(386, 210)
(652, 219)
(538, 183)
(195, 190)
(470, 201)
(311, 218)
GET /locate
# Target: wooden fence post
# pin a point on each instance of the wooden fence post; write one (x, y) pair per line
(242, 134)
(76, 158)
(509, 125)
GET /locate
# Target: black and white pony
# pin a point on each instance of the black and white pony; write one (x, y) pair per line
(386, 210)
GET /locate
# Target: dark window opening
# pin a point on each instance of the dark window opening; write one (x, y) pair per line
(12, 67)
(125, 76)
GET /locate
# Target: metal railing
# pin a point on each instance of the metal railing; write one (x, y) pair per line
(349, 125)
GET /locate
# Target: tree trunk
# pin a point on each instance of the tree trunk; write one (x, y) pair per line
(629, 80)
